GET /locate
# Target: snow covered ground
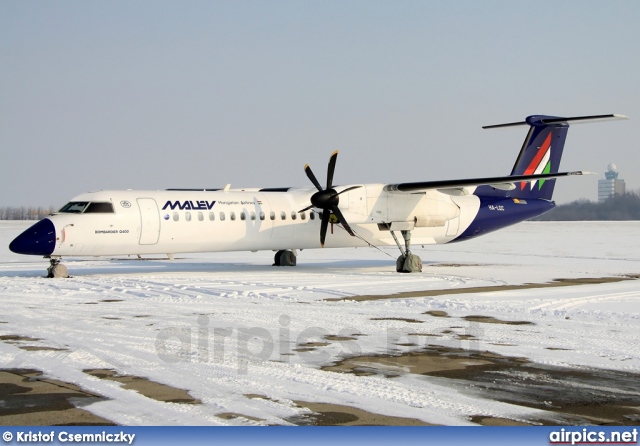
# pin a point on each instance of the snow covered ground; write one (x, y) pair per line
(228, 326)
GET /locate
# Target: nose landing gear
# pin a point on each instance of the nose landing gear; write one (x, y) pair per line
(285, 257)
(56, 269)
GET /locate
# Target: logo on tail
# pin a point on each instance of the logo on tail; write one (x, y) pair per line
(541, 163)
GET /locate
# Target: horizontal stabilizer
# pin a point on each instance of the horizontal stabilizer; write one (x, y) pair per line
(503, 183)
(567, 121)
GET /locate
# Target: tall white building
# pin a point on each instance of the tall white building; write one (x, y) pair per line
(611, 185)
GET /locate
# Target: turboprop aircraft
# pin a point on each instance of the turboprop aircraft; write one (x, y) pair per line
(143, 222)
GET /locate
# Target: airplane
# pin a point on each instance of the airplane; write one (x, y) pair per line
(285, 220)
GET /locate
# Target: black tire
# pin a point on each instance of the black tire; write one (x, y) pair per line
(276, 258)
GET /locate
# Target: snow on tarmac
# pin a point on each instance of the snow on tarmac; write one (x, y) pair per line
(229, 326)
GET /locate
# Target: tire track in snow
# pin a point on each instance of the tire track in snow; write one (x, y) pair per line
(570, 303)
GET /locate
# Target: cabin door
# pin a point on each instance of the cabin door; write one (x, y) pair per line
(149, 221)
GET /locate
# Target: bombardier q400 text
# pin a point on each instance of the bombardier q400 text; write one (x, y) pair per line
(136, 222)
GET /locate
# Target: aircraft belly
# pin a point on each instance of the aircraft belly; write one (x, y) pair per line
(496, 213)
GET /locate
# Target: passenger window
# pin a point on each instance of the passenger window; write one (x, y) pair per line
(283, 215)
(200, 216)
(232, 215)
(253, 216)
(99, 208)
(176, 216)
(212, 216)
(222, 217)
(261, 215)
(272, 215)
(243, 216)
(187, 216)
(303, 216)
(293, 215)
(312, 215)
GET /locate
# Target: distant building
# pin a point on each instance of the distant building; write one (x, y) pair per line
(611, 185)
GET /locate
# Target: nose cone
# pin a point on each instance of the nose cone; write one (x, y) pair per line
(39, 239)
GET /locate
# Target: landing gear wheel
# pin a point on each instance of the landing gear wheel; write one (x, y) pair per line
(276, 258)
(57, 270)
(284, 257)
(409, 263)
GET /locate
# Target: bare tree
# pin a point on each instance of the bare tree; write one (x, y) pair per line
(25, 213)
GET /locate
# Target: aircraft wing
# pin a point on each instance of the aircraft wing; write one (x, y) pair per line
(455, 186)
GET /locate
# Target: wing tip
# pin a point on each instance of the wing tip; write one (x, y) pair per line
(617, 116)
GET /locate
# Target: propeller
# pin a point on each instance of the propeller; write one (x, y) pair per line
(327, 199)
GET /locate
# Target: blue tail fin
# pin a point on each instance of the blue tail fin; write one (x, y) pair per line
(541, 152)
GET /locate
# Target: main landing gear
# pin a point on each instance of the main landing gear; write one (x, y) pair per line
(56, 269)
(285, 257)
(407, 262)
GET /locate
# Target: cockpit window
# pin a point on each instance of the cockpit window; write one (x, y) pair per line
(79, 207)
(74, 207)
(101, 208)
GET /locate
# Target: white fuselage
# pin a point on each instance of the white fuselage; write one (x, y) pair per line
(170, 222)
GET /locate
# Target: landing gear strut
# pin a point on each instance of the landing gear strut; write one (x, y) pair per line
(56, 269)
(284, 257)
(407, 262)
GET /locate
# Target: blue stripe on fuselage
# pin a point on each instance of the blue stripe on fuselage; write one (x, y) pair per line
(499, 212)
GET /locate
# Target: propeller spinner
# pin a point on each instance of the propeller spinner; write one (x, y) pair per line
(327, 199)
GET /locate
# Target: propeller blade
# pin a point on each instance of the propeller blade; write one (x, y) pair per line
(347, 190)
(331, 169)
(305, 209)
(323, 226)
(345, 225)
(312, 177)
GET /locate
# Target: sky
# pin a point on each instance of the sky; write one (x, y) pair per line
(165, 94)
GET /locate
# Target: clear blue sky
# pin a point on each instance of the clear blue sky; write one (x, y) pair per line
(158, 94)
